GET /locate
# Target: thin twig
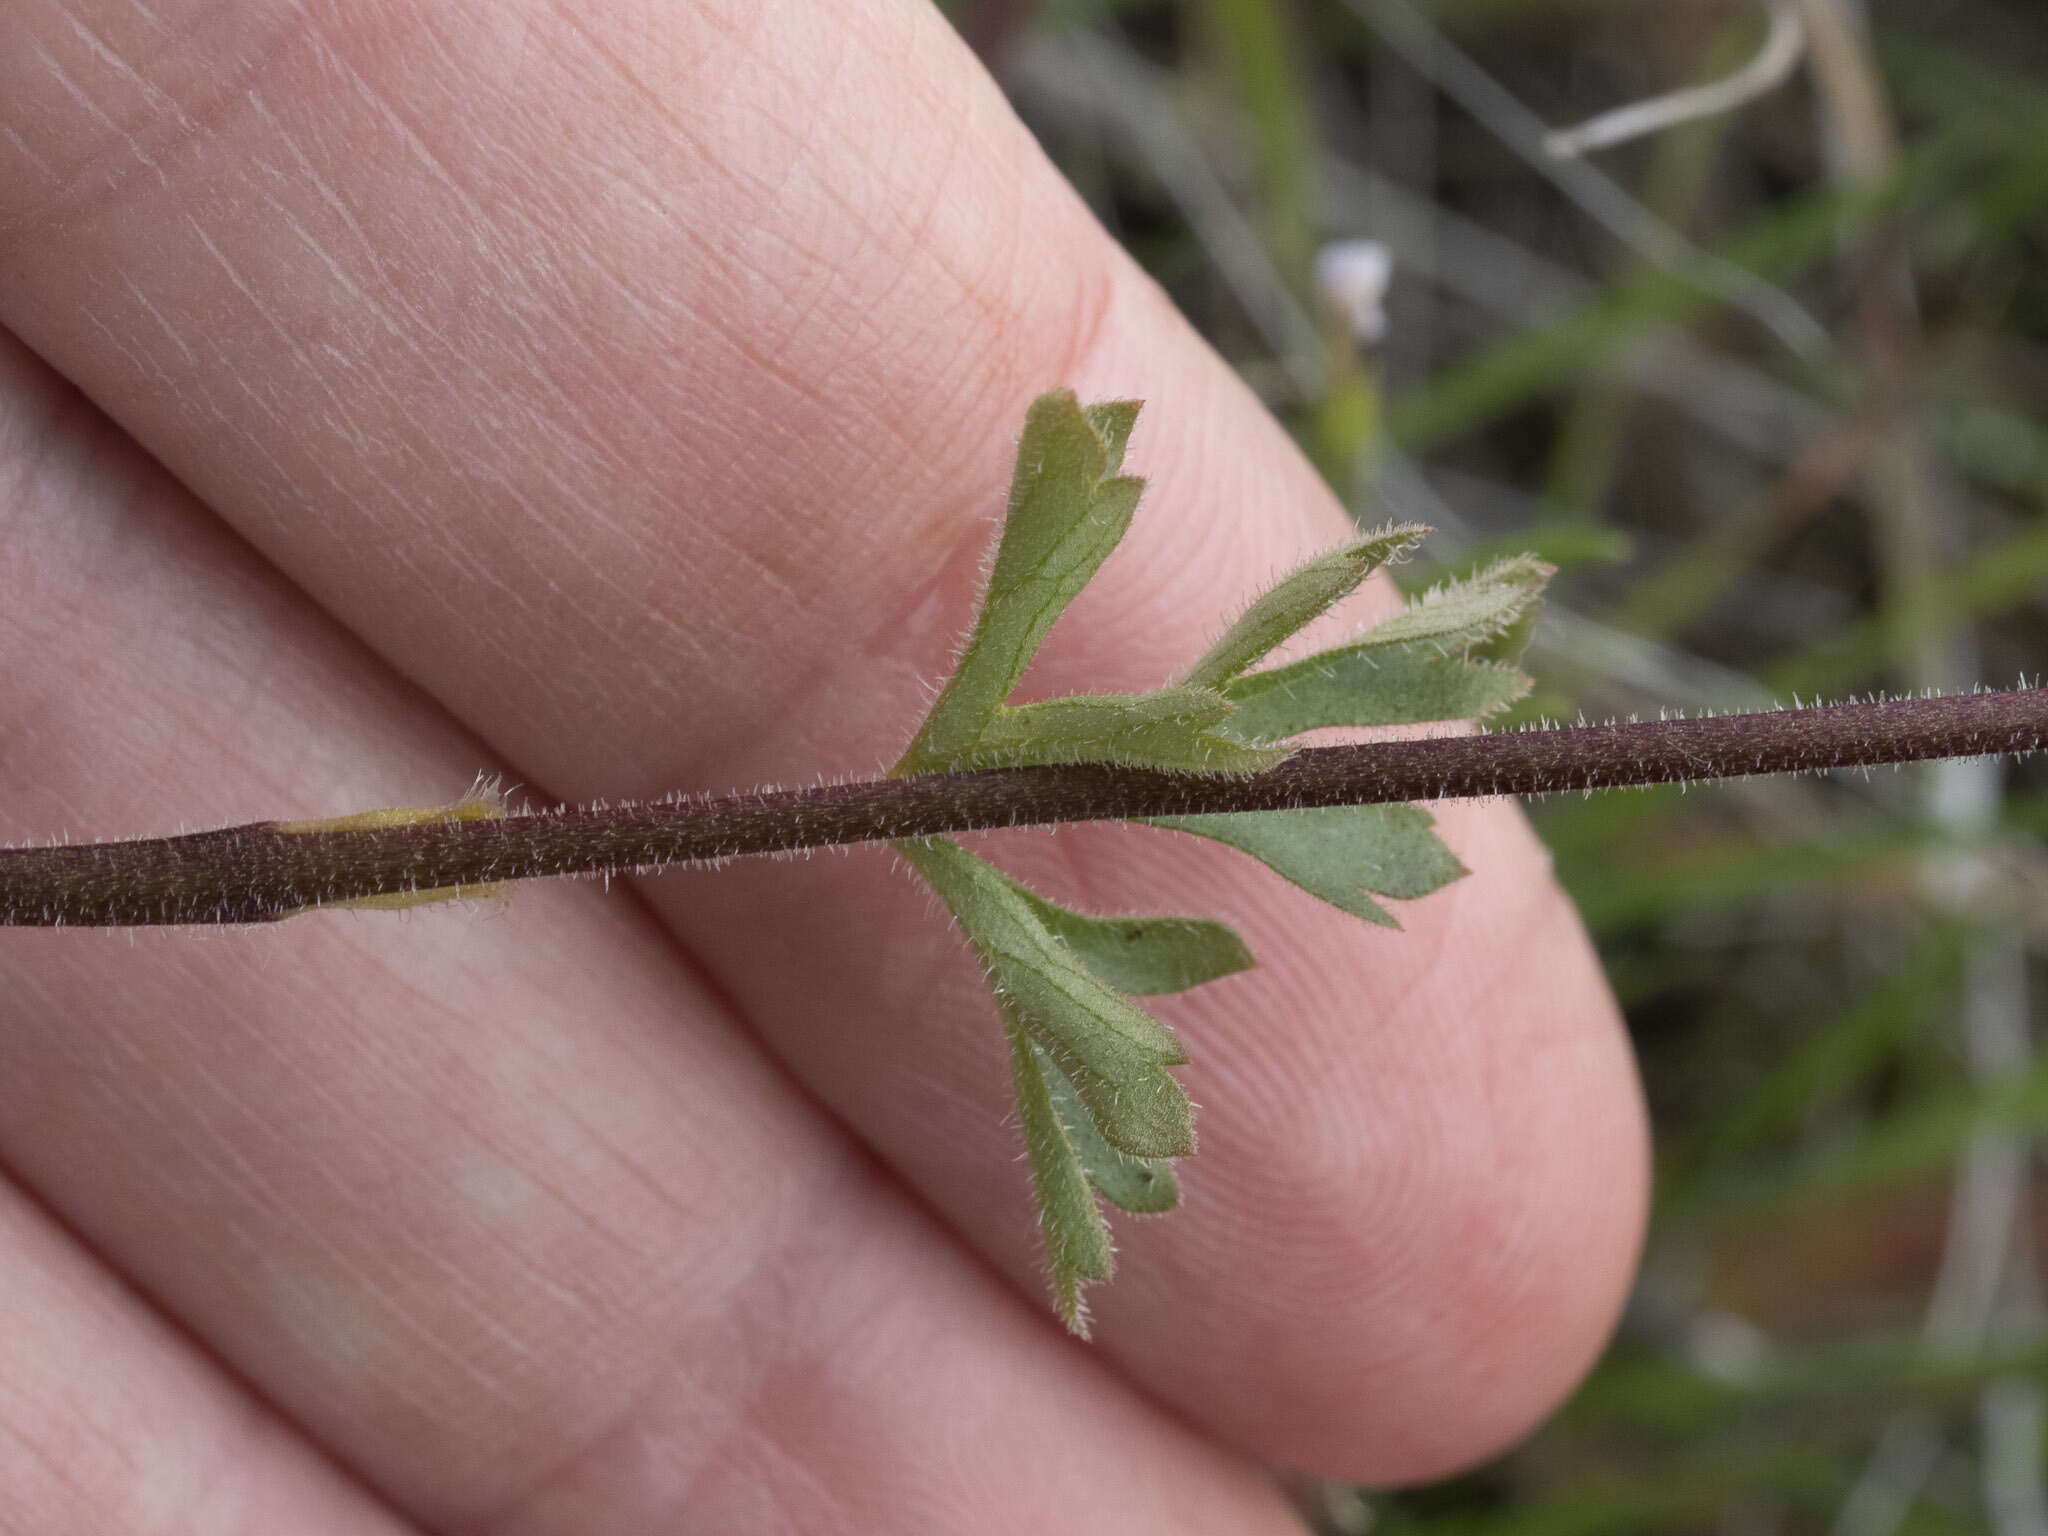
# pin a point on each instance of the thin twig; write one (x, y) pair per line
(1774, 62)
(268, 870)
(1459, 76)
(1749, 408)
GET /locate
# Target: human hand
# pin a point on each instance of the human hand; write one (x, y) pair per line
(621, 398)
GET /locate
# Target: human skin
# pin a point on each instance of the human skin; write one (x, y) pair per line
(620, 398)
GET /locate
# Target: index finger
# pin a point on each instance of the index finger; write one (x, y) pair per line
(642, 383)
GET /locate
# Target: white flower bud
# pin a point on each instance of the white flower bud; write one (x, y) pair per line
(1351, 277)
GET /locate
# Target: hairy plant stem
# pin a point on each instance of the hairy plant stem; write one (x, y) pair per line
(267, 870)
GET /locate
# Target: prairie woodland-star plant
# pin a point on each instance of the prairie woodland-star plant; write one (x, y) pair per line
(1102, 1115)
(1211, 754)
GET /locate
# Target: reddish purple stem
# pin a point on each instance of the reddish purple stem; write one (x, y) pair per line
(259, 872)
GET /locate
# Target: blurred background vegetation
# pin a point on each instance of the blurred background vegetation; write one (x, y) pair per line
(1768, 388)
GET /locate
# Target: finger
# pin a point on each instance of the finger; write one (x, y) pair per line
(643, 390)
(111, 1422)
(500, 1208)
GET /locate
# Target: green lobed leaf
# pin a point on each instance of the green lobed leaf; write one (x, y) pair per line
(1148, 956)
(1296, 600)
(1138, 1106)
(1142, 1186)
(1369, 685)
(1069, 1220)
(1112, 421)
(1467, 613)
(1066, 512)
(1507, 646)
(1174, 728)
(1100, 1109)
(1114, 1052)
(1340, 852)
